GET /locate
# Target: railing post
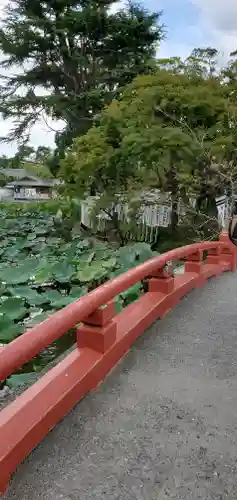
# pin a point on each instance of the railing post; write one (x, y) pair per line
(162, 281)
(98, 331)
(214, 255)
(194, 263)
(228, 252)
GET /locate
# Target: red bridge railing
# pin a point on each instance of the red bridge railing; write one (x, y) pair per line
(102, 340)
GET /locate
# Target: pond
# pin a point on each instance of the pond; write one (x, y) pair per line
(42, 271)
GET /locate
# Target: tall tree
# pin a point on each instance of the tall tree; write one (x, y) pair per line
(202, 62)
(229, 72)
(24, 153)
(79, 52)
(42, 154)
(5, 162)
(163, 133)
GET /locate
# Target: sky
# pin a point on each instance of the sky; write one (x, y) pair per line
(189, 24)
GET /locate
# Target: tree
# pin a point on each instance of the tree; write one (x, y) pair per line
(42, 154)
(4, 162)
(202, 62)
(26, 157)
(24, 153)
(172, 64)
(163, 133)
(79, 52)
(229, 73)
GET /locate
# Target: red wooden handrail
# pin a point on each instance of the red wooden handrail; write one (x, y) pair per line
(28, 345)
(102, 341)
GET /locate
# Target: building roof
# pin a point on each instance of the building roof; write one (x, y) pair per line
(23, 177)
(17, 173)
(30, 183)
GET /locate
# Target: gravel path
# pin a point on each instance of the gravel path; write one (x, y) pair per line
(162, 426)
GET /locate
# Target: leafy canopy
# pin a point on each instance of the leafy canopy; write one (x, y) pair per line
(79, 52)
(162, 121)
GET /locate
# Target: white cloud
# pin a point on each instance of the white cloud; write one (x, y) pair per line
(215, 26)
(41, 134)
(219, 19)
(118, 5)
(181, 45)
(3, 4)
(220, 14)
(171, 49)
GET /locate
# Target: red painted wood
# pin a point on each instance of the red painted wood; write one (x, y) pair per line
(165, 285)
(34, 340)
(102, 315)
(98, 338)
(198, 256)
(214, 256)
(102, 343)
(32, 415)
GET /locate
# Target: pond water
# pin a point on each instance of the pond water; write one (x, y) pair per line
(27, 372)
(50, 353)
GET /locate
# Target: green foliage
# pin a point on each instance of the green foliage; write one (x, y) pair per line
(202, 63)
(81, 53)
(18, 380)
(162, 133)
(8, 329)
(49, 208)
(40, 272)
(34, 162)
(37, 170)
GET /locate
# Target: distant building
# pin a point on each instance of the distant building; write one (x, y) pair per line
(23, 186)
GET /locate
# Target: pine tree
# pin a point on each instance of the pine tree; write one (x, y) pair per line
(79, 52)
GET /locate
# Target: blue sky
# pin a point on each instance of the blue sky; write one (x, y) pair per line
(180, 19)
(196, 23)
(189, 24)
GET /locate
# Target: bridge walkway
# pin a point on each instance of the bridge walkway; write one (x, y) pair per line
(164, 423)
